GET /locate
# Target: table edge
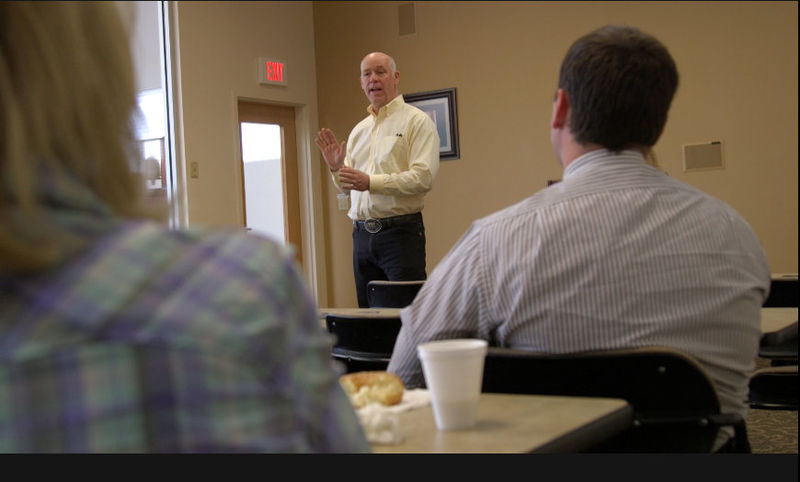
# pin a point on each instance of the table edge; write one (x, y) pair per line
(590, 435)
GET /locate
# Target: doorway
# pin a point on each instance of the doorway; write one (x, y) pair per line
(270, 186)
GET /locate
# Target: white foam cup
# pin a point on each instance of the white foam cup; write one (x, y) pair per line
(453, 371)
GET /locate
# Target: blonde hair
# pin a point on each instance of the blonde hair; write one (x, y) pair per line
(67, 99)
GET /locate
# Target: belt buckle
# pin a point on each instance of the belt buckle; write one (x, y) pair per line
(373, 225)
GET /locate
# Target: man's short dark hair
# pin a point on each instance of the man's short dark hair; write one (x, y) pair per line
(620, 83)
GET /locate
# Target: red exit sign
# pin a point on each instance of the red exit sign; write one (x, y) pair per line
(271, 71)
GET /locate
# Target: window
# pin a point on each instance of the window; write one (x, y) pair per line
(152, 136)
(151, 44)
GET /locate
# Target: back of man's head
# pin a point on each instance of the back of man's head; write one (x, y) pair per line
(620, 83)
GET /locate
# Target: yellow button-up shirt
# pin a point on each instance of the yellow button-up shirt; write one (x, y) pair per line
(398, 147)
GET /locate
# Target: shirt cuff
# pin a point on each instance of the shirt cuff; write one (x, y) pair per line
(376, 183)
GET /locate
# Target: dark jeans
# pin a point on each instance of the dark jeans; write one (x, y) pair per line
(395, 253)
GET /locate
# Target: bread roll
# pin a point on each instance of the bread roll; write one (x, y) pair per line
(368, 387)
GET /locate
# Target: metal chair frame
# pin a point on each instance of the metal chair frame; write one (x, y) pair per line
(363, 343)
(392, 294)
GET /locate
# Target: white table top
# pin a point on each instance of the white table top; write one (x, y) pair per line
(517, 424)
(366, 312)
(773, 319)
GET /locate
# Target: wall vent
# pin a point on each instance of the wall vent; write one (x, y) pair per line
(406, 19)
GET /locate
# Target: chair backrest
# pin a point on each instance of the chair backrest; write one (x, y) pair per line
(673, 399)
(363, 343)
(783, 293)
(774, 388)
(780, 346)
(392, 294)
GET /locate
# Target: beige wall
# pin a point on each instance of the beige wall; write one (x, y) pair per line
(218, 47)
(738, 66)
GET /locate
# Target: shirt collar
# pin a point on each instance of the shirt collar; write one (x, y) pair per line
(602, 156)
(392, 106)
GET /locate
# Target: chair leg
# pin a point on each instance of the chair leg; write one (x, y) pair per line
(741, 441)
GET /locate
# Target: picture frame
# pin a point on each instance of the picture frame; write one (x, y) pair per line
(440, 105)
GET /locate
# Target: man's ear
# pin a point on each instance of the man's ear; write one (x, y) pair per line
(560, 110)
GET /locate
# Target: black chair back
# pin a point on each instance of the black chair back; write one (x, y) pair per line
(780, 346)
(774, 388)
(783, 293)
(392, 294)
(363, 343)
(676, 409)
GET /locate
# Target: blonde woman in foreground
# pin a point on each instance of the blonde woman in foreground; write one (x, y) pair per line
(116, 333)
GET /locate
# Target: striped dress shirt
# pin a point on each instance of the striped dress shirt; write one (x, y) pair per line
(616, 255)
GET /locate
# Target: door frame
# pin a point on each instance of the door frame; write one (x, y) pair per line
(310, 178)
(282, 115)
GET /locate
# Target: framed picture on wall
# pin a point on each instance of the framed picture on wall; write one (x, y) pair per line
(440, 105)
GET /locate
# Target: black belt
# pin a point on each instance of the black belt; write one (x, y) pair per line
(375, 225)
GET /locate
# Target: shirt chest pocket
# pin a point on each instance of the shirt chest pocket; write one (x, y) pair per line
(392, 154)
